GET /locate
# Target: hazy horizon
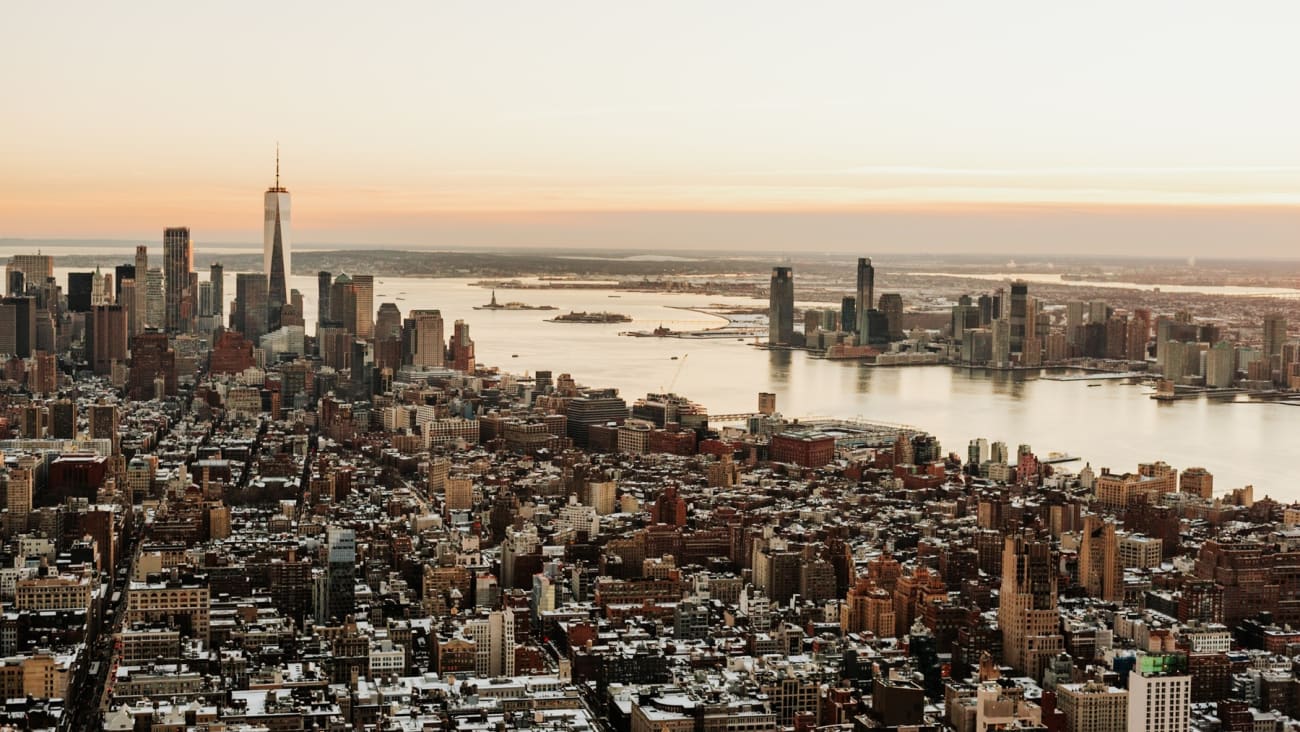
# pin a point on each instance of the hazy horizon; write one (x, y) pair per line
(1010, 127)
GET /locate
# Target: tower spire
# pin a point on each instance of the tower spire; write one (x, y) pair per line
(277, 166)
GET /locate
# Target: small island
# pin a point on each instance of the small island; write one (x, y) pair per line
(575, 317)
(494, 305)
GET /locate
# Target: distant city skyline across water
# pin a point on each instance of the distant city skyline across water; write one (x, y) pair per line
(1114, 425)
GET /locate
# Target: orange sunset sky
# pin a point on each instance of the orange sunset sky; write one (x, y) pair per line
(1154, 127)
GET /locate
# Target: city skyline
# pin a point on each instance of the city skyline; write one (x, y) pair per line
(1008, 127)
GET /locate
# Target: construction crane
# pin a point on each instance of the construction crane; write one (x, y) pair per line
(678, 372)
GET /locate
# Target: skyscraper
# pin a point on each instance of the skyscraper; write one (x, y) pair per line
(849, 314)
(217, 276)
(106, 337)
(780, 313)
(81, 286)
(891, 304)
(1019, 318)
(1274, 334)
(17, 326)
(250, 310)
(1027, 612)
(423, 336)
(178, 263)
(866, 295)
(461, 347)
(323, 281)
(155, 311)
(36, 268)
(365, 307)
(141, 313)
(276, 240)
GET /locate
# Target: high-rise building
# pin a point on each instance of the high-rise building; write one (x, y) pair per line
(1019, 316)
(865, 296)
(494, 643)
(780, 312)
(35, 269)
(849, 314)
(251, 306)
(365, 305)
(178, 264)
(891, 304)
(388, 324)
(461, 347)
(1100, 571)
(596, 407)
(153, 367)
(323, 281)
(276, 249)
(105, 420)
(155, 299)
(1274, 334)
(140, 316)
(341, 558)
(1160, 694)
(106, 337)
(121, 273)
(217, 276)
(81, 288)
(423, 341)
(1027, 614)
(343, 303)
(18, 326)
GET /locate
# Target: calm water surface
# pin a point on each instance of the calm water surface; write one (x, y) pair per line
(1114, 425)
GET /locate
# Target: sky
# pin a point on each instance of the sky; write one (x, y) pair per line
(1151, 127)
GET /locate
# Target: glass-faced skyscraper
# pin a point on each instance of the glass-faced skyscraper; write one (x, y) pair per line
(865, 298)
(781, 307)
(276, 251)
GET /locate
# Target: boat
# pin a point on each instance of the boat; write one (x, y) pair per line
(514, 355)
(674, 358)
(1059, 457)
(1098, 383)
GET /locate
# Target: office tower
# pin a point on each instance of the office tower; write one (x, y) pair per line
(217, 276)
(101, 289)
(343, 303)
(596, 407)
(365, 305)
(458, 493)
(18, 484)
(250, 309)
(341, 555)
(780, 312)
(126, 300)
(140, 312)
(18, 326)
(1027, 614)
(1098, 311)
(422, 337)
(1074, 313)
(155, 312)
(323, 281)
(494, 643)
(105, 420)
(1160, 694)
(16, 282)
(153, 367)
(106, 337)
(849, 314)
(1100, 571)
(1001, 342)
(178, 263)
(276, 249)
(81, 288)
(63, 419)
(766, 403)
(388, 324)
(1019, 318)
(461, 348)
(1274, 334)
(891, 305)
(35, 269)
(205, 300)
(1139, 333)
(865, 298)
(121, 273)
(1220, 365)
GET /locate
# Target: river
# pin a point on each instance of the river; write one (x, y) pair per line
(1114, 425)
